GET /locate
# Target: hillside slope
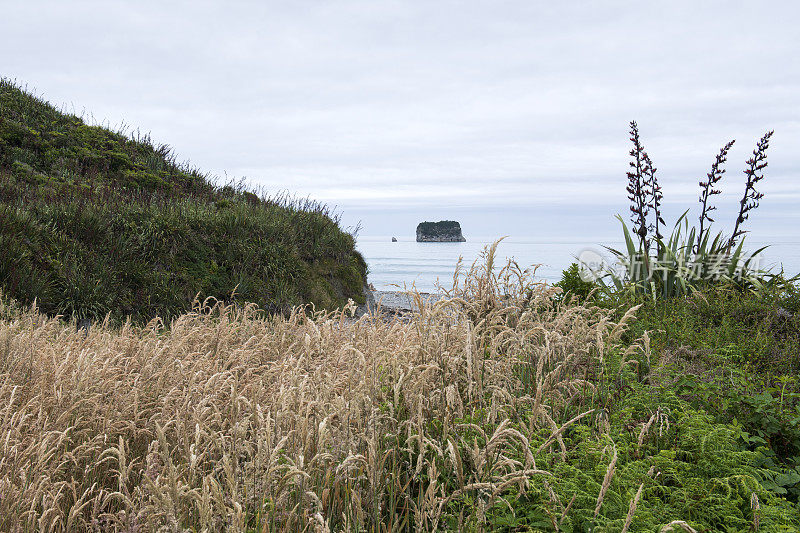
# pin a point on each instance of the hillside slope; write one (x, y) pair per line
(93, 222)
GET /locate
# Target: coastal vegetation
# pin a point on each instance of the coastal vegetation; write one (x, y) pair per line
(507, 404)
(499, 407)
(95, 222)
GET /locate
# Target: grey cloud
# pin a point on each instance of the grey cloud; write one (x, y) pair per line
(408, 104)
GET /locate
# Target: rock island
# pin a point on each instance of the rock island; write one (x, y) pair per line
(442, 231)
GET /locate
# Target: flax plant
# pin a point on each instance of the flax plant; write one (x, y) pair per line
(691, 257)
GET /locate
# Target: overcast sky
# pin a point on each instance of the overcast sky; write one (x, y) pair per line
(504, 113)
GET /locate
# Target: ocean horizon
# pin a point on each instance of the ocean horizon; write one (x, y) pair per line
(426, 266)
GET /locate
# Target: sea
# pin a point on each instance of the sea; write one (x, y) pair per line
(427, 266)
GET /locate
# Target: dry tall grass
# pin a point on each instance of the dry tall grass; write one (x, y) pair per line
(229, 420)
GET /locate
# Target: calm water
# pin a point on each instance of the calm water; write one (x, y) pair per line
(423, 264)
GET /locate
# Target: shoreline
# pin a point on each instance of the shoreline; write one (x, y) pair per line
(392, 303)
(396, 301)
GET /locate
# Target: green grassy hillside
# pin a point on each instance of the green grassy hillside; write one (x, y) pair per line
(93, 221)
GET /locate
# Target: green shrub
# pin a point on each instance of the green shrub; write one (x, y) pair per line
(573, 284)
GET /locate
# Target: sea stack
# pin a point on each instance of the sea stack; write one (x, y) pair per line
(442, 231)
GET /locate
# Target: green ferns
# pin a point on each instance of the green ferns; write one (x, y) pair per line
(689, 467)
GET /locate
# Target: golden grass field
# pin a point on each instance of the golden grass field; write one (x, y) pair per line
(229, 420)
